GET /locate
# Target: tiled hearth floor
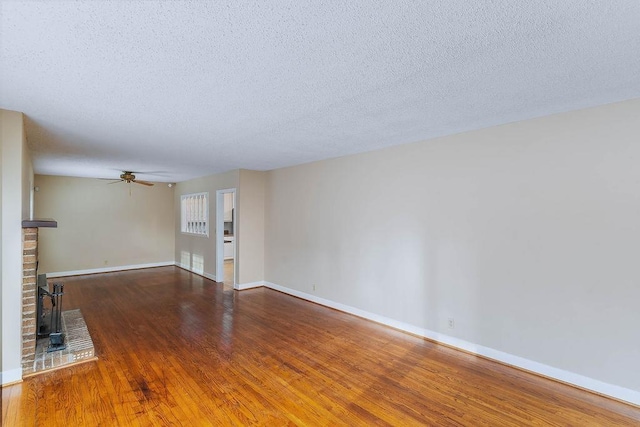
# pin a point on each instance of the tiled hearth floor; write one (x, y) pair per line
(79, 345)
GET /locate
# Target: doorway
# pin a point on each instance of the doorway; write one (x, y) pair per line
(226, 254)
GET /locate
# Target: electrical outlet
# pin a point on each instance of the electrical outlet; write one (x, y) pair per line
(452, 323)
(106, 262)
(314, 287)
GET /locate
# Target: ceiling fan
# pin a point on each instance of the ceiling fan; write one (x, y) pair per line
(129, 177)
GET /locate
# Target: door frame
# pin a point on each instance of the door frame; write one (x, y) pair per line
(220, 235)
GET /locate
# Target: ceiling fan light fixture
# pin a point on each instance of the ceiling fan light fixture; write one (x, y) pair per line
(129, 177)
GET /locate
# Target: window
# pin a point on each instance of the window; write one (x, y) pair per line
(194, 211)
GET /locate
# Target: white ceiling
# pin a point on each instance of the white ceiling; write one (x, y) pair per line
(190, 88)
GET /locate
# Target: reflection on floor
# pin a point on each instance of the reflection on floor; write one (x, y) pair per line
(228, 273)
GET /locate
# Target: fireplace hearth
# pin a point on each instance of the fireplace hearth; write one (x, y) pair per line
(78, 346)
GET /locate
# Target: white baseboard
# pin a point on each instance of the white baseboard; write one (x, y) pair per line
(581, 381)
(11, 376)
(243, 286)
(199, 273)
(108, 269)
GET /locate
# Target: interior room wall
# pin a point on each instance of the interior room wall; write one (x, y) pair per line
(250, 227)
(16, 175)
(2, 178)
(101, 225)
(198, 253)
(27, 179)
(525, 235)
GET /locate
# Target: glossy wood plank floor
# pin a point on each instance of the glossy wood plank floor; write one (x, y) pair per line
(177, 349)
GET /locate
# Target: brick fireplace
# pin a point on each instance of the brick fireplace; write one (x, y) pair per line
(39, 354)
(29, 289)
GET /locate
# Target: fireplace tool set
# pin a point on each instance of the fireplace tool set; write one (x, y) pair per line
(51, 327)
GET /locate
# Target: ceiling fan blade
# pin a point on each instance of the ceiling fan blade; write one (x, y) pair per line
(147, 183)
(159, 173)
(115, 182)
(141, 172)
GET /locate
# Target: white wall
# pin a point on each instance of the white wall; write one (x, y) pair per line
(101, 225)
(526, 234)
(198, 253)
(16, 176)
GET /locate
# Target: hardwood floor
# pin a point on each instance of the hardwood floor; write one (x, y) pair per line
(229, 265)
(177, 349)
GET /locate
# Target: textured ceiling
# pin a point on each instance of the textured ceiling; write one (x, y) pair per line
(190, 88)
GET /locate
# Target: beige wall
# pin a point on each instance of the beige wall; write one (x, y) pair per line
(101, 226)
(250, 227)
(16, 176)
(2, 243)
(27, 180)
(526, 234)
(198, 253)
